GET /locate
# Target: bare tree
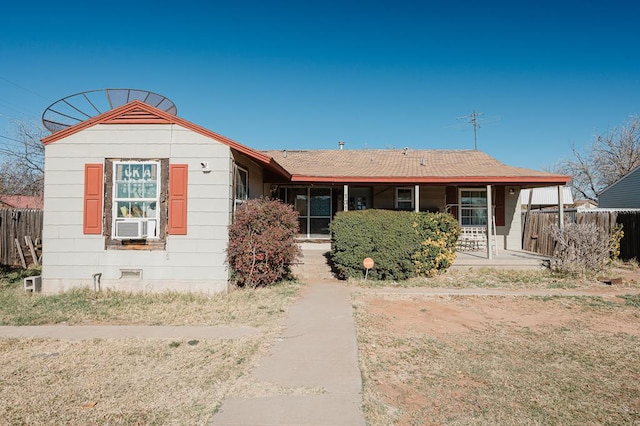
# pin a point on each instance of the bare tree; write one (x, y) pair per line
(22, 160)
(610, 156)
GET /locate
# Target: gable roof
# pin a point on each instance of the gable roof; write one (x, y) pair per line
(343, 166)
(138, 112)
(406, 167)
(632, 172)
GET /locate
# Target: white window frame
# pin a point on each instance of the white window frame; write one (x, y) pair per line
(140, 220)
(239, 199)
(400, 204)
(472, 207)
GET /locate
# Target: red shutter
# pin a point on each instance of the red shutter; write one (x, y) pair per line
(178, 175)
(499, 203)
(451, 196)
(93, 181)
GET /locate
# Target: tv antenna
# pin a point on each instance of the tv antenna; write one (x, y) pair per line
(473, 119)
(82, 106)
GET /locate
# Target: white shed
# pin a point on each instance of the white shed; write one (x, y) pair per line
(545, 197)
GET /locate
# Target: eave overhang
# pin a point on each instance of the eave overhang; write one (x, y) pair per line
(435, 180)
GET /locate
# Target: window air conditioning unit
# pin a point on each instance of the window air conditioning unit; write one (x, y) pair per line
(135, 229)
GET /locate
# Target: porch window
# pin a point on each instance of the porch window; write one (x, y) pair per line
(314, 206)
(360, 198)
(241, 186)
(473, 207)
(404, 198)
(136, 197)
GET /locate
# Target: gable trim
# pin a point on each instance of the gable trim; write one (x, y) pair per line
(137, 112)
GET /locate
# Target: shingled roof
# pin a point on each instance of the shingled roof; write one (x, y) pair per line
(406, 166)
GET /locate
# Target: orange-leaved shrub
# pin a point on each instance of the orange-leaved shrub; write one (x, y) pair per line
(262, 244)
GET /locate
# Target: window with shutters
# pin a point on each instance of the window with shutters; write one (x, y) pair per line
(136, 196)
(135, 207)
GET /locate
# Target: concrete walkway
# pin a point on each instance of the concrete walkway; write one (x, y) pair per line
(317, 351)
(90, 332)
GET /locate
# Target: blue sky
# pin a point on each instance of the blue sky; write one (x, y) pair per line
(306, 74)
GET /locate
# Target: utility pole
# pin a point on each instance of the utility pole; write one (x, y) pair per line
(474, 120)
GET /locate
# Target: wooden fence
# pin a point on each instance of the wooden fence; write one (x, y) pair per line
(15, 225)
(536, 237)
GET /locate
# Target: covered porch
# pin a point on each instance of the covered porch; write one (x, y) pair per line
(479, 191)
(314, 260)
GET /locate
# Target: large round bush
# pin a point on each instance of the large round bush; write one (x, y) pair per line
(262, 244)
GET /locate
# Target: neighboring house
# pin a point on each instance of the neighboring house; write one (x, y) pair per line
(545, 197)
(21, 202)
(141, 199)
(624, 193)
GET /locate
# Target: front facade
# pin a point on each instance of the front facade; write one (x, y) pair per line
(139, 200)
(461, 182)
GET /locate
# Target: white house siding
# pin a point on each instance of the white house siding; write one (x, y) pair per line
(256, 182)
(509, 236)
(192, 262)
(625, 193)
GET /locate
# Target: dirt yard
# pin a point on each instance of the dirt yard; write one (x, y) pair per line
(466, 360)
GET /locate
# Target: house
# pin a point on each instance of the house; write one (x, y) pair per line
(623, 193)
(138, 199)
(21, 202)
(456, 181)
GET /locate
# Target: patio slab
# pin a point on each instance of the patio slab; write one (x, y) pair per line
(505, 259)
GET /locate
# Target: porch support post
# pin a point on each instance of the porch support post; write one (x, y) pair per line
(489, 221)
(416, 196)
(560, 207)
(345, 198)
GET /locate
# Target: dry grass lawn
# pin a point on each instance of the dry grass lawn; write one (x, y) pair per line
(130, 381)
(425, 360)
(629, 272)
(461, 360)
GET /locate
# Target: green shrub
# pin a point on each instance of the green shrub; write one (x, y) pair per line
(402, 244)
(262, 243)
(438, 233)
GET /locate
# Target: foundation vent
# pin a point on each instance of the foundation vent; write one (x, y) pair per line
(130, 274)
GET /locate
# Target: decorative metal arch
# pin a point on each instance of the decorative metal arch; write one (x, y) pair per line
(82, 106)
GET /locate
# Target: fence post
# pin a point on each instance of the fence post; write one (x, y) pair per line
(560, 208)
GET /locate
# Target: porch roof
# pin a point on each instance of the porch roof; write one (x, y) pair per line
(405, 166)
